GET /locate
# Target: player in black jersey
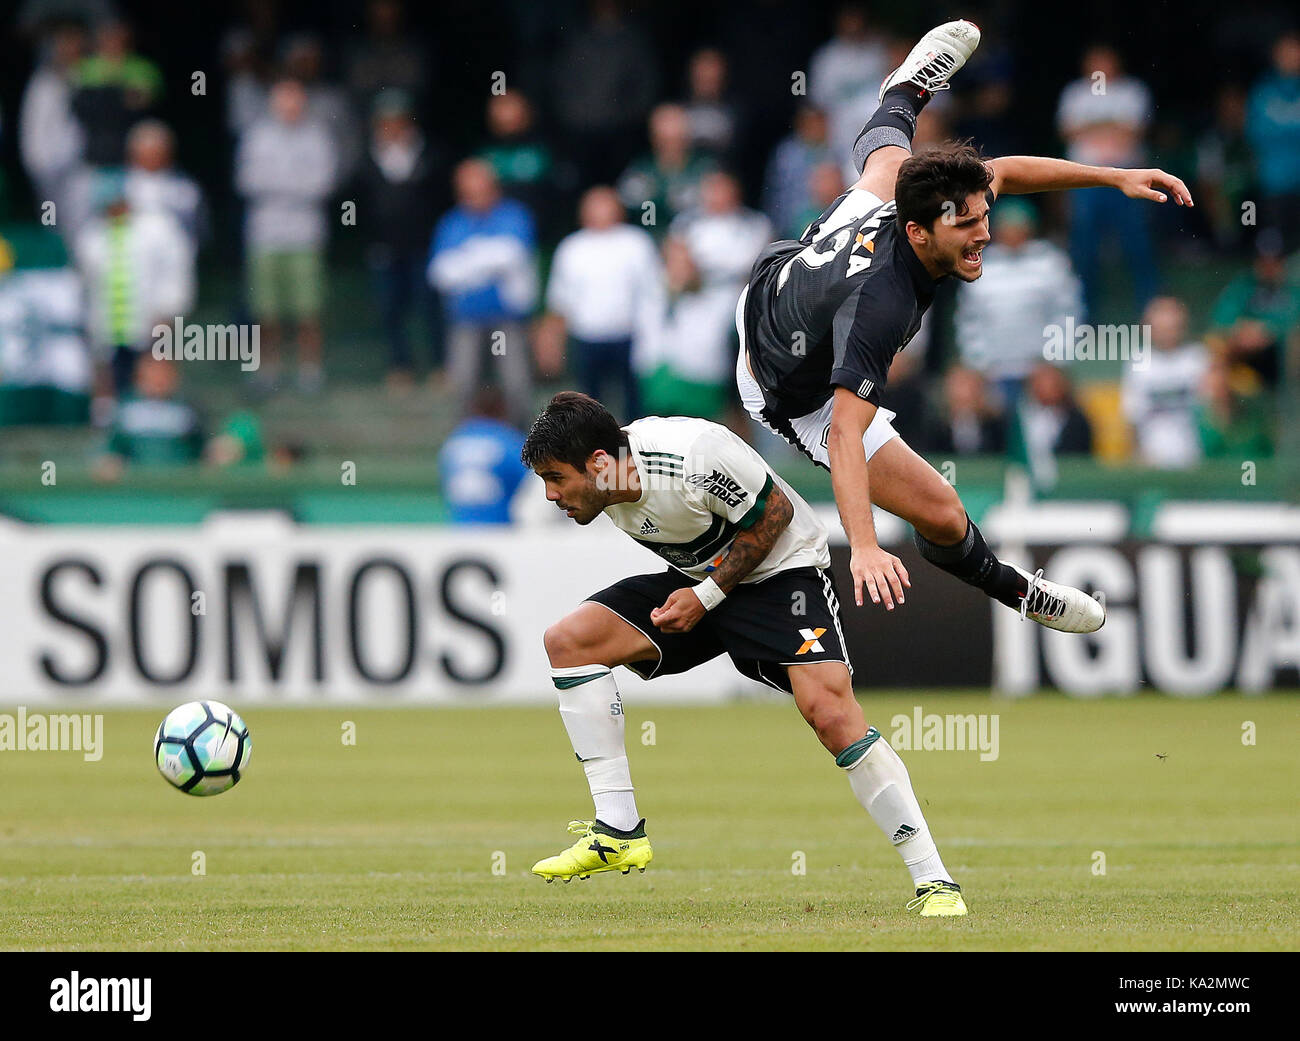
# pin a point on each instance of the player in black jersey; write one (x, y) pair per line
(823, 317)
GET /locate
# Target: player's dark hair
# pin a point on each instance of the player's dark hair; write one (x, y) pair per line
(930, 181)
(569, 430)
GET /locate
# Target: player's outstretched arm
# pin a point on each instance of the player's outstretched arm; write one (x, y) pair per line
(683, 609)
(1023, 174)
(882, 574)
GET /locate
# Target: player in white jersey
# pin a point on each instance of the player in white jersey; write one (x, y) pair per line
(741, 546)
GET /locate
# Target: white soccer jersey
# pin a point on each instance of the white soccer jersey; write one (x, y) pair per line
(701, 486)
(41, 339)
(1160, 401)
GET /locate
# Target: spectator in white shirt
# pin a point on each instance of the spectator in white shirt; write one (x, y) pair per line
(1161, 397)
(844, 78)
(724, 236)
(50, 138)
(1027, 285)
(605, 290)
(138, 270)
(710, 251)
(286, 169)
(328, 102)
(1103, 116)
(153, 183)
(680, 371)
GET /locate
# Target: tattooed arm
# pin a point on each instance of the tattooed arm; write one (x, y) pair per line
(683, 610)
(749, 548)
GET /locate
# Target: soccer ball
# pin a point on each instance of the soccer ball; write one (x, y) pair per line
(202, 748)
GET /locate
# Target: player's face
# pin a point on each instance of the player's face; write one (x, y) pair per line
(956, 242)
(574, 491)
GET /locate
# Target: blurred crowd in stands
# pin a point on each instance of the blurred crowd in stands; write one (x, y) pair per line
(601, 232)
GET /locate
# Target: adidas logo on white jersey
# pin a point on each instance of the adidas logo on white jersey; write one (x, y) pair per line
(649, 529)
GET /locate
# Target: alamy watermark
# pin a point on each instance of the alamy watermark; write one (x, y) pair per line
(188, 341)
(72, 993)
(931, 732)
(1086, 342)
(57, 732)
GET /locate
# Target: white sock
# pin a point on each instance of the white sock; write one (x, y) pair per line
(880, 781)
(610, 781)
(593, 715)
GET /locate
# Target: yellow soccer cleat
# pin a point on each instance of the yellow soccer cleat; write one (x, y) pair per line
(600, 848)
(939, 900)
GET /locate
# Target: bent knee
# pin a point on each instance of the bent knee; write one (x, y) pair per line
(569, 643)
(829, 712)
(945, 517)
(561, 643)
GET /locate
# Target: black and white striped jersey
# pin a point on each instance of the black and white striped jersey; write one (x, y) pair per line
(833, 308)
(701, 487)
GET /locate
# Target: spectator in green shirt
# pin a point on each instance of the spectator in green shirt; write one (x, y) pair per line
(1258, 314)
(153, 426)
(1232, 425)
(238, 441)
(668, 179)
(112, 90)
(524, 163)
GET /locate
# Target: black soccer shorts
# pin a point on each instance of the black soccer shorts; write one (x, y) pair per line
(790, 618)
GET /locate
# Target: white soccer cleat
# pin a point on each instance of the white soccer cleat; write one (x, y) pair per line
(941, 52)
(1059, 607)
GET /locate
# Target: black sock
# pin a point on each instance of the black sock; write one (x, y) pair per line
(973, 562)
(893, 123)
(635, 833)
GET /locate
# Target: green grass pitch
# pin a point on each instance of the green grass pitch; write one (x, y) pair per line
(392, 843)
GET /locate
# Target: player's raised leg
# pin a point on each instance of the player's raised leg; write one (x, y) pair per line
(907, 486)
(583, 648)
(824, 694)
(886, 141)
